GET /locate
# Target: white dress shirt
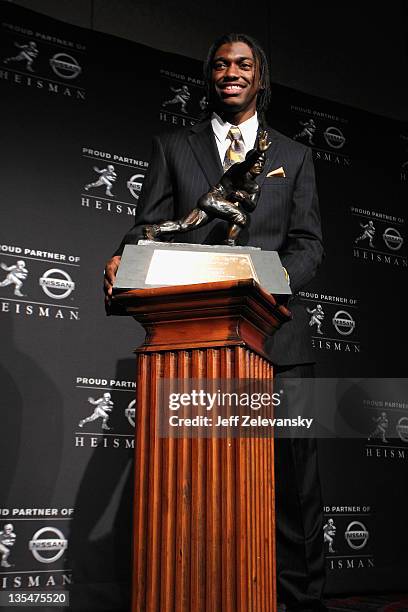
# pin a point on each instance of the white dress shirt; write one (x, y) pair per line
(249, 131)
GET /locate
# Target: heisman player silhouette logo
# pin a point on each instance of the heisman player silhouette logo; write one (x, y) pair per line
(28, 53)
(7, 541)
(307, 131)
(182, 96)
(103, 406)
(107, 176)
(381, 426)
(329, 533)
(17, 273)
(367, 234)
(316, 318)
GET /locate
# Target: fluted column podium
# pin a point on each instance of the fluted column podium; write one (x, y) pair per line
(204, 526)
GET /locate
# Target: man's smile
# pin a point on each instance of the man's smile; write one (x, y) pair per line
(231, 87)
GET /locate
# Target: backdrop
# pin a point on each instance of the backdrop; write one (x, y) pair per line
(79, 109)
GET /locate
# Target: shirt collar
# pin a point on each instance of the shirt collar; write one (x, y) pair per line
(248, 129)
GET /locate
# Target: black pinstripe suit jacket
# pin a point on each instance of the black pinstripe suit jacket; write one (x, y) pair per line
(185, 164)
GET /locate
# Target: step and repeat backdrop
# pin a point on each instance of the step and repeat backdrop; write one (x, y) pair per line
(79, 109)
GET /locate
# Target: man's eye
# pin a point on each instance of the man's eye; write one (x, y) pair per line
(246, 66)
(219, 65)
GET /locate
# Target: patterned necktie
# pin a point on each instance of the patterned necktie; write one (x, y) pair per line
(236, 151)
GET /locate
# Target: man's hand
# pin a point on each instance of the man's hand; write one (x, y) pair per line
(110, 274)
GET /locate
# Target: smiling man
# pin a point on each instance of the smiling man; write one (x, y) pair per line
(235, 81)
(184, 165)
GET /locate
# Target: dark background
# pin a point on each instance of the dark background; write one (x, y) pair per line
(354, 53)
(333, 67)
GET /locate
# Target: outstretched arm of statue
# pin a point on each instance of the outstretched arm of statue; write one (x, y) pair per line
(263, 144)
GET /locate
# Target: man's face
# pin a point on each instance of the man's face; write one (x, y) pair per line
(235, 78)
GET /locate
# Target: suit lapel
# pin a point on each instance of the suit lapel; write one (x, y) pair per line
(202, 141)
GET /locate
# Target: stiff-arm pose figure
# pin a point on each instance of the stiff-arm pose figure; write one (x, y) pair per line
(230, 199)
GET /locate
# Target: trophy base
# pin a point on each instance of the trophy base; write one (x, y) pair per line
(152, 264)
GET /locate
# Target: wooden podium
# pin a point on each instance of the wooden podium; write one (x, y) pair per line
(204, 522)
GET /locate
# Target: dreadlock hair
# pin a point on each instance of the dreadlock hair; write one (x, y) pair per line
(261, 64)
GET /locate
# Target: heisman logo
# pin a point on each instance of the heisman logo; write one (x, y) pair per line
(103, 406)
(343, 322)
(26, 55)
(48, 549)
(316, 318)
(356, 538)
(307, 132)
(107, 176)
(329, 533)
(393, 238)
(368, 233)
(65, 66)
(57, 284)
(16, 274)
(380, 430)
(7, 541)
(181, 97)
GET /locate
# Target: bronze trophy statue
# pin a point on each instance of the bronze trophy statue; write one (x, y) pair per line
(234, 196)
(156, 263)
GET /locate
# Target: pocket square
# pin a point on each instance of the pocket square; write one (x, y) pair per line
(277, 172)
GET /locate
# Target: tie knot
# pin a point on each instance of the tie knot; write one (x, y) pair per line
(236, 150)
(234, 133)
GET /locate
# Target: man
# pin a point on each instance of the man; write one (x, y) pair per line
(184, 165)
